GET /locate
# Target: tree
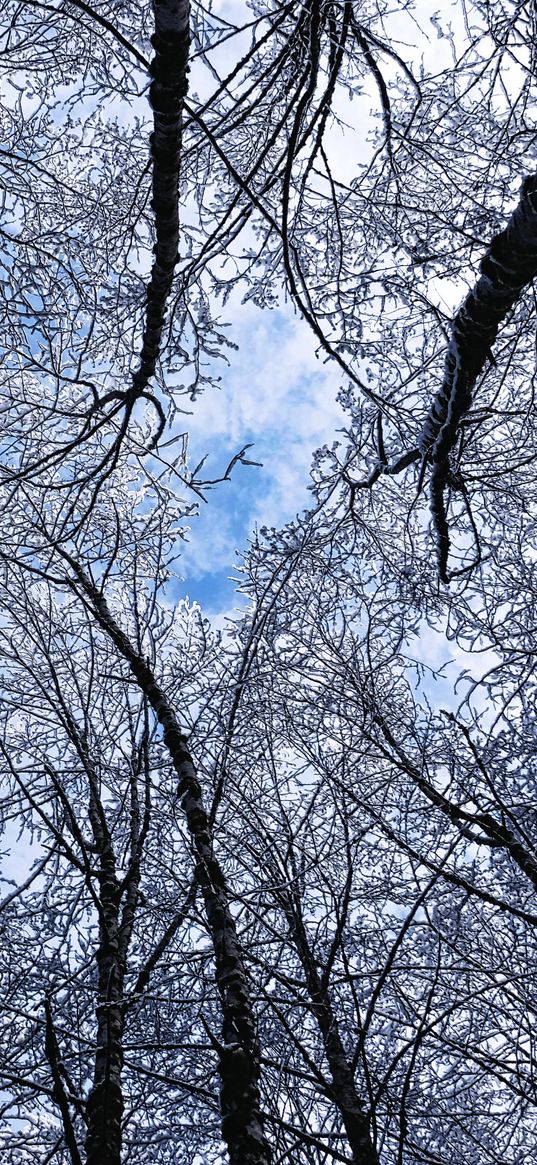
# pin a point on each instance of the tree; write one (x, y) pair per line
(97, 827)
(278, 898)
(439, 818)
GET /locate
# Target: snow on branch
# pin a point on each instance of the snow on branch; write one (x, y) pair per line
(509, 264)
(239, 1051)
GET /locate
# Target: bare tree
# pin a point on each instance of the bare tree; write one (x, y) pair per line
(106, 846)
(431, 813)
(271, 895)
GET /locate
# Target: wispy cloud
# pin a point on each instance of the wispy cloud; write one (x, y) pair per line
(279, 396)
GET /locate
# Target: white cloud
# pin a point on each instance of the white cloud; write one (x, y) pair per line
(278, 396)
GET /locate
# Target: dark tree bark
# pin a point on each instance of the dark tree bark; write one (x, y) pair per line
(105, 1105)
(53, 1057)
(507, 267)
(105, 1102)
(169, 69)
(115, 902)
(346, 1098)
(239, 1053)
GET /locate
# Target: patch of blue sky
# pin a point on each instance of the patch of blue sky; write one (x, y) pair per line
(277, 396)
(275, 393)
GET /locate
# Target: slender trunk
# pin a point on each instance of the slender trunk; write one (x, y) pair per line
(104, 1109)
(239, 1054)
(351, 1107)
(169, 69)
(105, 1104)
(58, 1090)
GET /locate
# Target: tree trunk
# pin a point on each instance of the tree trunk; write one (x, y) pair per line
(507, 267)
(104, 1108)
(239, 1054)
(169, 69)
(346, 1098)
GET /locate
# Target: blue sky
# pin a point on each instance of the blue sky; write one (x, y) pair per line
(277, 395)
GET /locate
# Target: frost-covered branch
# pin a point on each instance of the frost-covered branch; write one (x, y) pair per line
(239, 1054)
(509, 264)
